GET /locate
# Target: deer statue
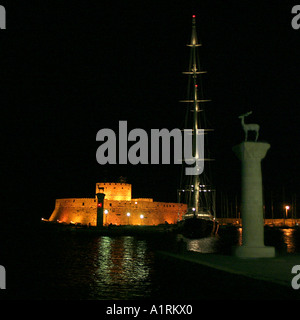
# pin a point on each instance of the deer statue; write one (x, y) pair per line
(249, 126)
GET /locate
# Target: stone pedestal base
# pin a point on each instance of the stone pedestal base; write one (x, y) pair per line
(254, 252)
(251, 154)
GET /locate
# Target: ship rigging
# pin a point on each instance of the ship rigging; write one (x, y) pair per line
(197, 190)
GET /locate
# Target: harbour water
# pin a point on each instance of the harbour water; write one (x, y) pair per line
(58, 265)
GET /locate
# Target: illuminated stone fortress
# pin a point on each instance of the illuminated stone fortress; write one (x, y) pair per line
(118, 208)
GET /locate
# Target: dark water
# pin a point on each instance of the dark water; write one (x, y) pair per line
(57, 265)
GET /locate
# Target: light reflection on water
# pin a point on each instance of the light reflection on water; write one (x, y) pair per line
(240, 236)
(78, 266)
(203, 245)
(288, 236)
(284, 240)
(120, 259)
(123, 263)
(220, 243)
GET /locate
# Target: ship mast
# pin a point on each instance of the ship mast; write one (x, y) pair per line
(195, 98)
(193, 70)
(194, 44)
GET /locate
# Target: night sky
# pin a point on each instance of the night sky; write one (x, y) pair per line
(67, 71)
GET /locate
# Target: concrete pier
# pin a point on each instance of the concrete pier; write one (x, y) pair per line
(276, 270)
(250, 155)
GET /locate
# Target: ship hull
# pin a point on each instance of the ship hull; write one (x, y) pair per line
(196, 228)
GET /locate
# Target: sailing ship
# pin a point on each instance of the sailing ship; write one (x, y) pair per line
(196, 190)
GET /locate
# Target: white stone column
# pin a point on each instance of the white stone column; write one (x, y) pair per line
(251, 154)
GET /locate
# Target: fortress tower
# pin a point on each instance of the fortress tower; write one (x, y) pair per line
(115, 191)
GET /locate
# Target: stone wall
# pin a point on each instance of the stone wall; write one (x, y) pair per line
(115, 191)
(84, 211)
(142, 212)
(117, 203)
(270, 222)
(79, 210)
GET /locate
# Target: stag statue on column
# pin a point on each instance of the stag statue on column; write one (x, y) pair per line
(249, 126)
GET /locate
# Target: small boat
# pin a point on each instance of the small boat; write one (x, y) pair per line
(197, 190)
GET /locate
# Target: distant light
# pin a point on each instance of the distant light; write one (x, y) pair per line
(142, 216)
(106, 211)
(194, 16)
(287, 207)
(196, 85)
(128, 214)
(194, 209)
(100, 205)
